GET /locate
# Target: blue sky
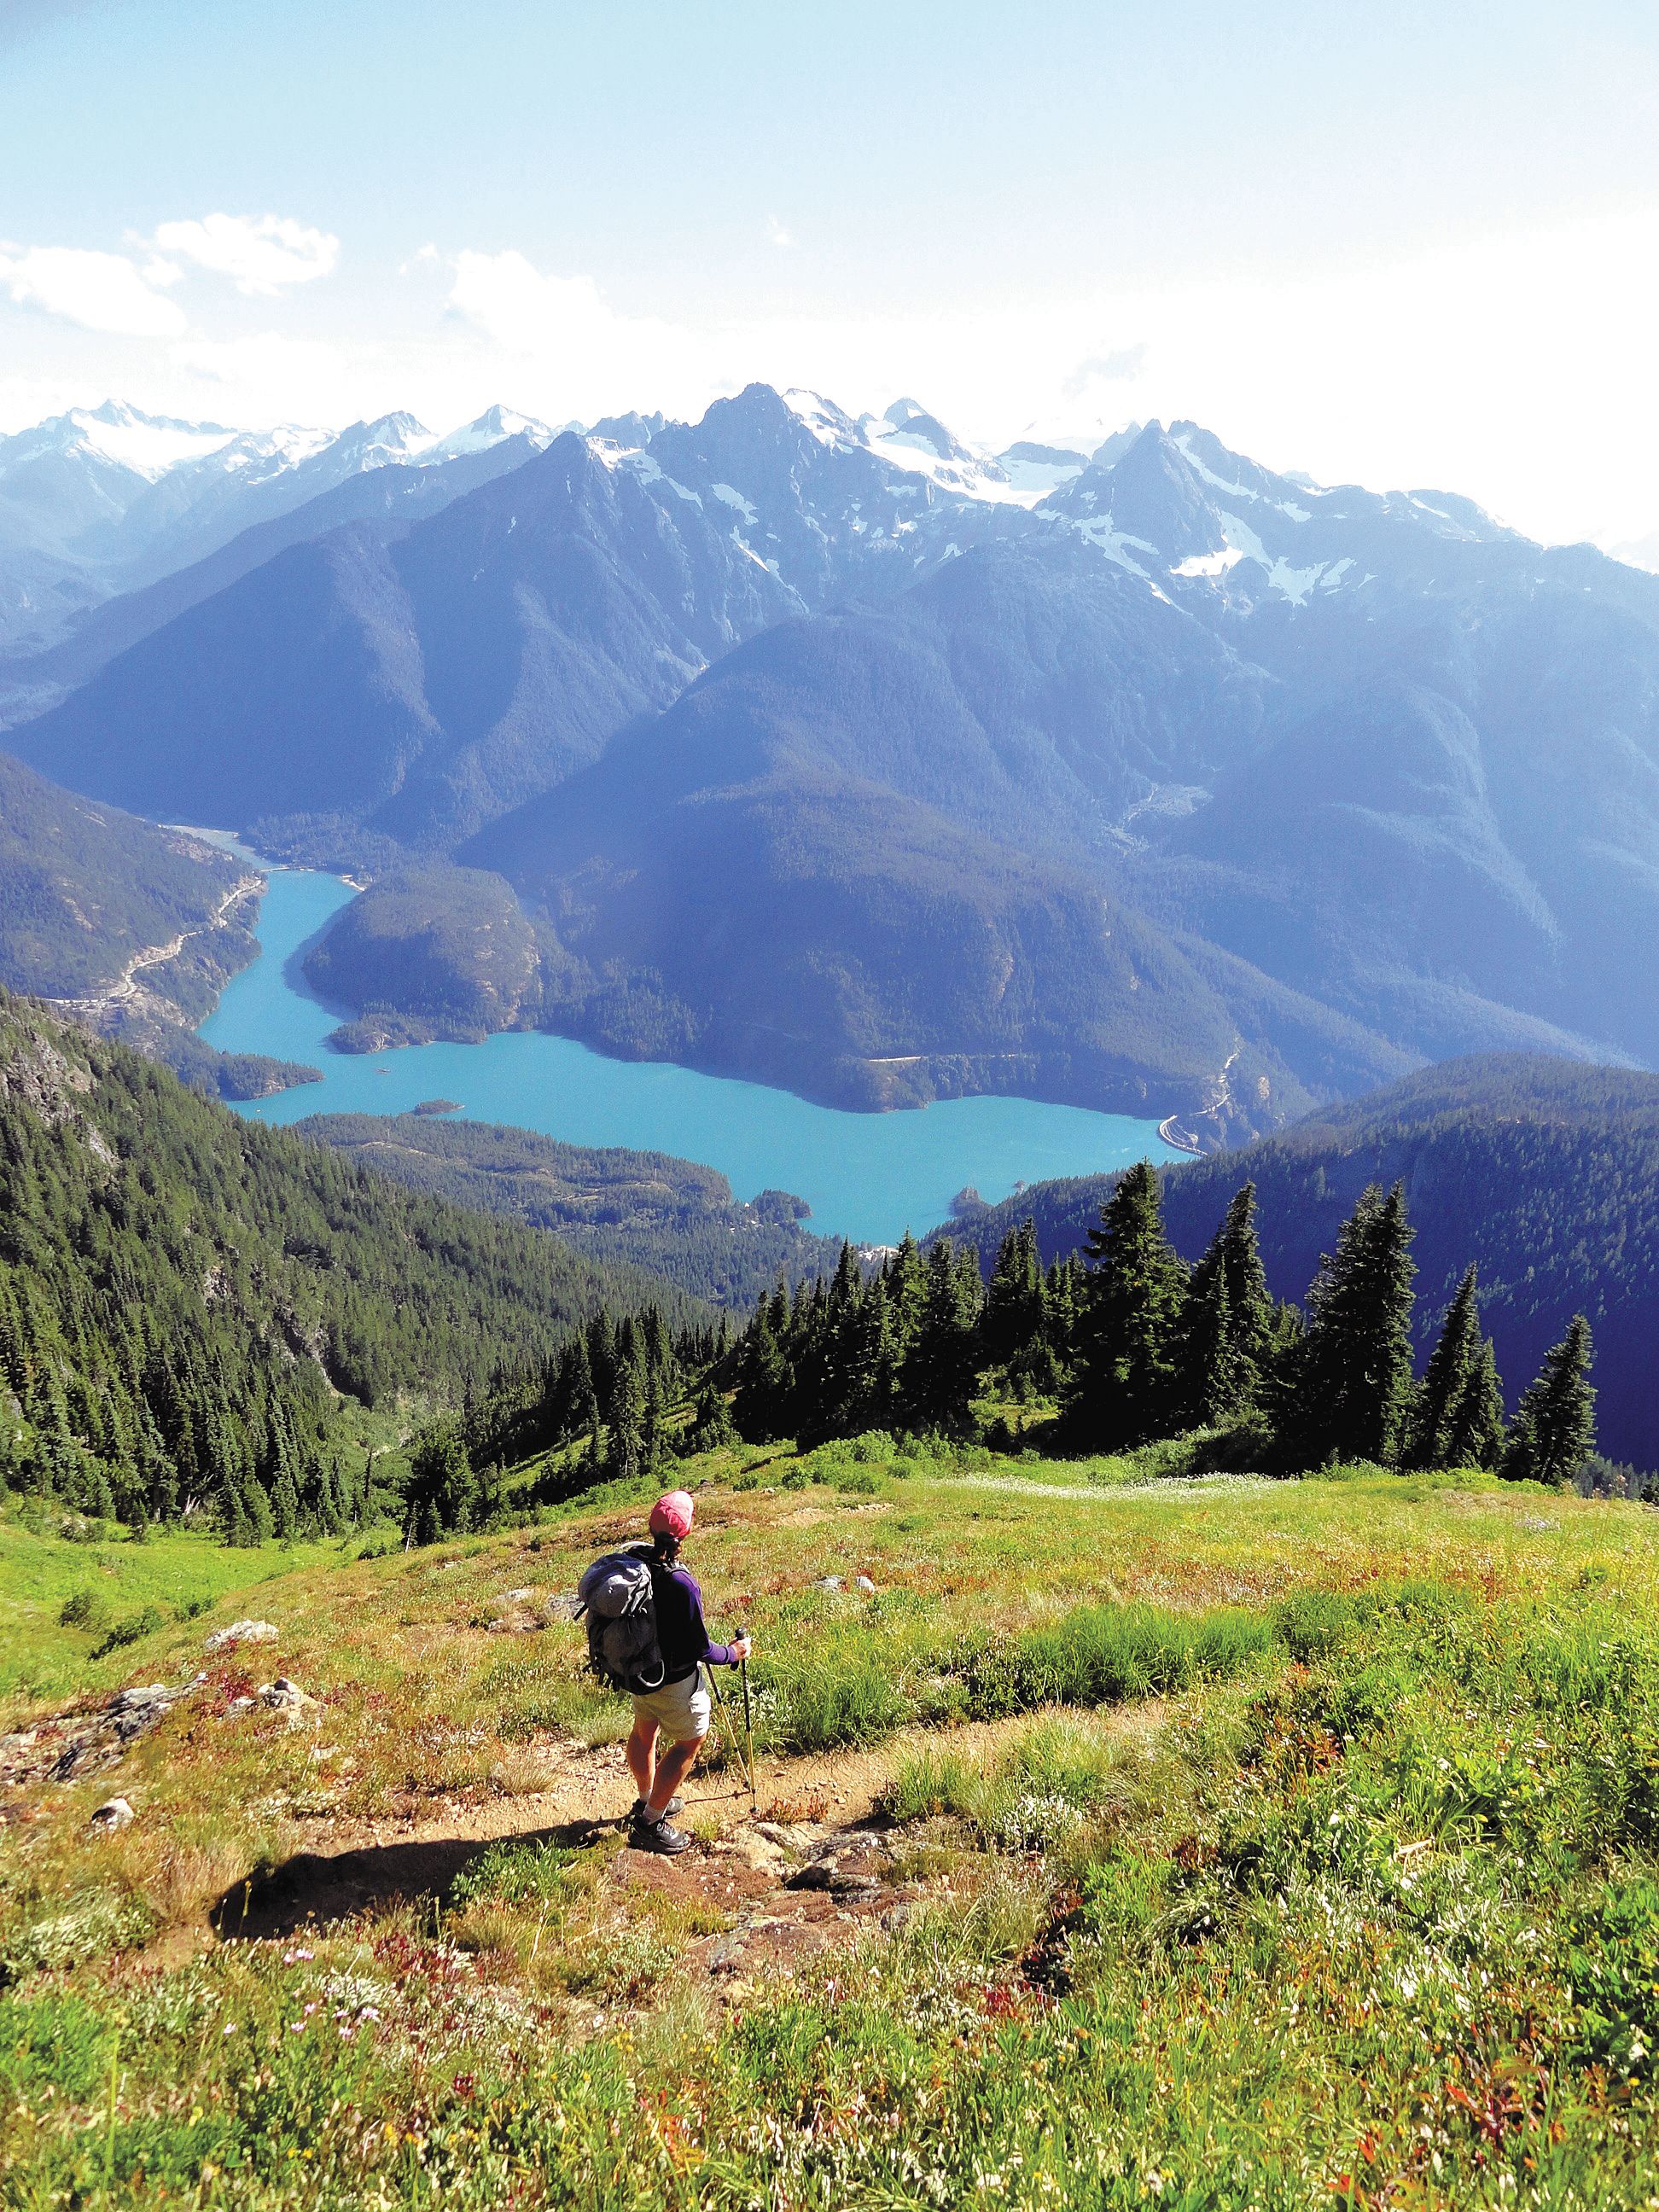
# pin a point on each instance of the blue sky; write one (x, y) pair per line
(1403, 244)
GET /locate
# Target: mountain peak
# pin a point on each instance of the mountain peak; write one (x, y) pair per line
(493, 428)
(123, 436)
(908, 424)
(830, 425)
(399, 436)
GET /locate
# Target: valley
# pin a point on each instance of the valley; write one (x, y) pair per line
(818, 752)
(864, 1176)
(828, 1108)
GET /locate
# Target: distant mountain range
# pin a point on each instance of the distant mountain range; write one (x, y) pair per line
(107, 500)
(832, 751)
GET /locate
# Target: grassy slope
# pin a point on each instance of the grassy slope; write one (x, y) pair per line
(1372, 1895)
(177, 1576)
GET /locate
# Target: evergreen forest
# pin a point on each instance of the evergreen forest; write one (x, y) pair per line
(188, 1301)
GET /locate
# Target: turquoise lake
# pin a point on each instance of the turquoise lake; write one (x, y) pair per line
(864, 1175)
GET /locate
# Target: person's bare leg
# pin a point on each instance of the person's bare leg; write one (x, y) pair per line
(642, 1752)
(673, 1768)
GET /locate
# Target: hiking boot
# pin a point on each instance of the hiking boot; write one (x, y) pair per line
(636, 1810)
(648, 1835)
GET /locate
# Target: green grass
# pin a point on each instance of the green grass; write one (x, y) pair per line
(116, 1595)
(1302, 1842)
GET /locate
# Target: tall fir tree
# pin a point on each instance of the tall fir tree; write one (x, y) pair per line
(1354, 1388)
(1554, 1431)
(1124, 1393)
(1251, 1312)
(940, 1367)
(1213, 1382)
(1478, 1435)
(1454, 1421)
(759, 1407)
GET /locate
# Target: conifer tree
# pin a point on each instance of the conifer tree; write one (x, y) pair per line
(1214, 1379)
(651, 1427)
(762, 1380)
(1353, 1391)
(443, 1490)
(940, 1368)
(712, 1426)
(1125, 1392)
(1554, 1431)
(1250, 1302)
(1454, 1418)
(625, 1428)
(284, 1507)
(1478, 1435)
(903, 1282)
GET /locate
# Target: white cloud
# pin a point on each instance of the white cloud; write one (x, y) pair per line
(259, 254)
(1120, 365)
(779, 233)
(589, 359)
(266, 377)
(99, 291)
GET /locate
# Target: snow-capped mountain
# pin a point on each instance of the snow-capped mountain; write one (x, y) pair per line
(492, 427)
(1175, 508)
(826, 746)
(102, 501)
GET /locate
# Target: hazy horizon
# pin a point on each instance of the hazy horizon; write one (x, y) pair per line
(1415, 253)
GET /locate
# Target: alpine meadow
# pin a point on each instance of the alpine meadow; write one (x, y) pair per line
(829, 1155)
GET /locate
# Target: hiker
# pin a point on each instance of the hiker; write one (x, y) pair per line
(679, 1710)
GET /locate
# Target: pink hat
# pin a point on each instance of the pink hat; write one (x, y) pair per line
(672, 1515)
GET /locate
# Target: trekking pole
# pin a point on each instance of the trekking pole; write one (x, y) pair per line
(749, 1733)
(725, 1717)
(727, 1722)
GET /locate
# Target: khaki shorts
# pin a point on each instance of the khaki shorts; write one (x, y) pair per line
(681, 1710)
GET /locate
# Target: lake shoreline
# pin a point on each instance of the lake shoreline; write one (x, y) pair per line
(864, 1174)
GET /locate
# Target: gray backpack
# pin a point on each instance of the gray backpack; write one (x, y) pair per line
(619, 1599)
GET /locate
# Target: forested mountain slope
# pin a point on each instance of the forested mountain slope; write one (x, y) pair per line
(185, 1296)
(672, 1217)
(84, 888)
(1544, 1173)
(421, 687)
(391, 499)
(816, 929)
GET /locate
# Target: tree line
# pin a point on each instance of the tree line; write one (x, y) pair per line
(1134, 1344)
(1125, 1343)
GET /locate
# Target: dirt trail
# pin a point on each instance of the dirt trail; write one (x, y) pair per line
(815, 1863)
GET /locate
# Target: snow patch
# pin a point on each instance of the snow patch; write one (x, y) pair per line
(966, 479)
(1034, 480)
(733, 498)
(1098, 531)
(151, 446)
(1208, 564)
(1286, 506)
(827, 422)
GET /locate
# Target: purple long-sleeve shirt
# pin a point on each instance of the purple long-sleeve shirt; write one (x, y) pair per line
(682, 1635)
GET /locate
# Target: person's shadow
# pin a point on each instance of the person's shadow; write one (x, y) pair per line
(315, 1887)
